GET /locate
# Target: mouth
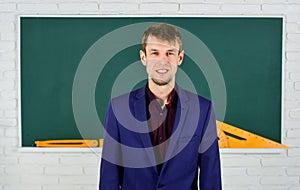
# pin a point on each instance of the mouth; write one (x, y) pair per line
(162, 71)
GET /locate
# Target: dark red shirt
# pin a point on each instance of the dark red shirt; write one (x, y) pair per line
(160, 121)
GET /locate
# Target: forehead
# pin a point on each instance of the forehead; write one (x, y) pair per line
(156, 43)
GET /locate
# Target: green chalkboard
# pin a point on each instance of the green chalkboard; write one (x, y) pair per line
(247, 51)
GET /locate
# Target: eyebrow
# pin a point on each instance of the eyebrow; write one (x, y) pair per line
(167, 50)
(172, 50)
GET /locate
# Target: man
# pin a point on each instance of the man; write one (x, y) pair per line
(158, 136)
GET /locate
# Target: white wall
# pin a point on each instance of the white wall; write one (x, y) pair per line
(79, 171)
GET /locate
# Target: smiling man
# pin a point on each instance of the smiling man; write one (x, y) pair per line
(180, 130)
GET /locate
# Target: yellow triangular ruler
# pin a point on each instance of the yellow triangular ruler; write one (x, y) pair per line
(242, 139)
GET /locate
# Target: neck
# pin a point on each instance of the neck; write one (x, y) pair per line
(161, 92)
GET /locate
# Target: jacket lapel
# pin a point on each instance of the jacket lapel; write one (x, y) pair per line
(141, 114)
(181, 113)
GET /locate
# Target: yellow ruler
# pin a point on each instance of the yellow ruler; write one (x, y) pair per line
(229, 137)
(67, 143)
(100, 142)
(233, 137)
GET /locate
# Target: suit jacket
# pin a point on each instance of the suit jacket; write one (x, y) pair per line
(128, 160)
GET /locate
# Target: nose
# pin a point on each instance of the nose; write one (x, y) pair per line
(163, 57)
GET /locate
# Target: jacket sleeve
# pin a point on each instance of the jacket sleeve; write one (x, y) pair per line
(110, 168)
(209, 157)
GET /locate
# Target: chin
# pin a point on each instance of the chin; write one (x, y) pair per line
(160, 82)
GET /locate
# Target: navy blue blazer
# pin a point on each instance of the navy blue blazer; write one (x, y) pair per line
(128, 160)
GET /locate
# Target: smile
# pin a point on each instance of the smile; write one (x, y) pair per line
(162, 71)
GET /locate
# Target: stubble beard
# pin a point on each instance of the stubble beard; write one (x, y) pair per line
(160, 82)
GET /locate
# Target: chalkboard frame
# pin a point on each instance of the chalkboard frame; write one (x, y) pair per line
(145, 16)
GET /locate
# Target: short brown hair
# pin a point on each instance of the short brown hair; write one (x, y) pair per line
(162, 31)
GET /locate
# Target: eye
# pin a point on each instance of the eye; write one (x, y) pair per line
(170, 53)
(154, 53)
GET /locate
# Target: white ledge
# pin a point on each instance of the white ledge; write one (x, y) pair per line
(99, 150)
(252, 150)
(59, 150)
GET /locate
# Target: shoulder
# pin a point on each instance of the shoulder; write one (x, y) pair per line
(129, 97)
(193, 96)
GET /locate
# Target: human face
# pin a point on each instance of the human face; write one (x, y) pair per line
(161, 61)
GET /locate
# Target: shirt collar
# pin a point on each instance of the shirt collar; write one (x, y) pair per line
(172, 97)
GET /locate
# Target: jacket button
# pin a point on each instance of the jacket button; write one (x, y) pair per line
(160, 185)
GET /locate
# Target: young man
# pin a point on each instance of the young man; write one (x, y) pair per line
(158, 136)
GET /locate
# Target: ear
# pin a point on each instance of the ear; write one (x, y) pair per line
(143, 57)
(180, 57)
